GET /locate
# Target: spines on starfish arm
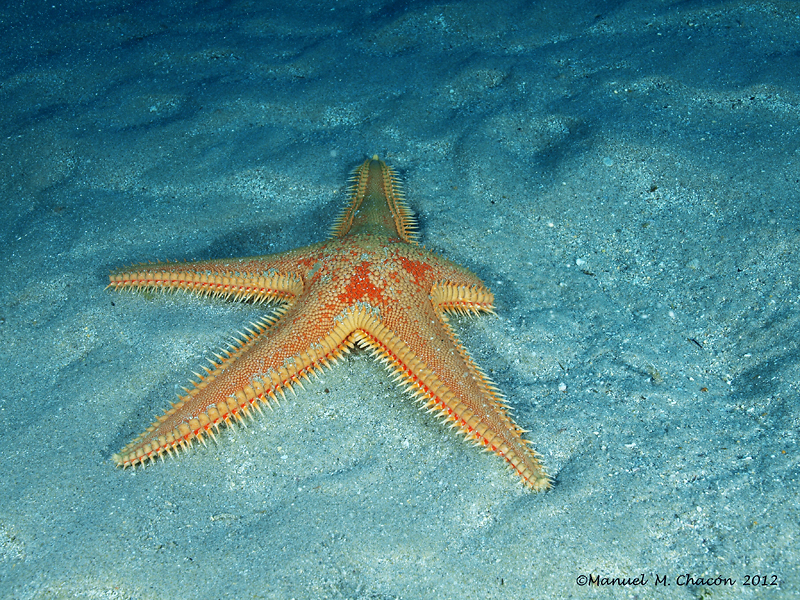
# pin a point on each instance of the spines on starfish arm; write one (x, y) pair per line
(271, 287)
(492, 429)
(157, 439)
(375, 194)
(434, 396)
(175, 430)
(462, 299)
(465, 300)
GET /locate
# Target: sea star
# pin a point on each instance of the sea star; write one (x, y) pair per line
(369, 285)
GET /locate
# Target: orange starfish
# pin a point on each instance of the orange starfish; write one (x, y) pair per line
(370, 285)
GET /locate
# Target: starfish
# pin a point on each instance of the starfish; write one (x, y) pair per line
(370, 286)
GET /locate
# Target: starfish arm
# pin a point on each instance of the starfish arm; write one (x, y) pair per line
(270, 278)
(472, 298)
(376, 203)
(269, 360)
(432, 364)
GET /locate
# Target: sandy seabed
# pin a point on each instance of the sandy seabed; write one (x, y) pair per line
(623, 175)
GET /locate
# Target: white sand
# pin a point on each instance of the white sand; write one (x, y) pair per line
(623, 175)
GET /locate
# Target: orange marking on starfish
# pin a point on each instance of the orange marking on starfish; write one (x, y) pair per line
(370, 285)
(359, 286)
(417, 268)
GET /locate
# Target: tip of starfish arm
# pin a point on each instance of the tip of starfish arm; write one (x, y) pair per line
(541, 484)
